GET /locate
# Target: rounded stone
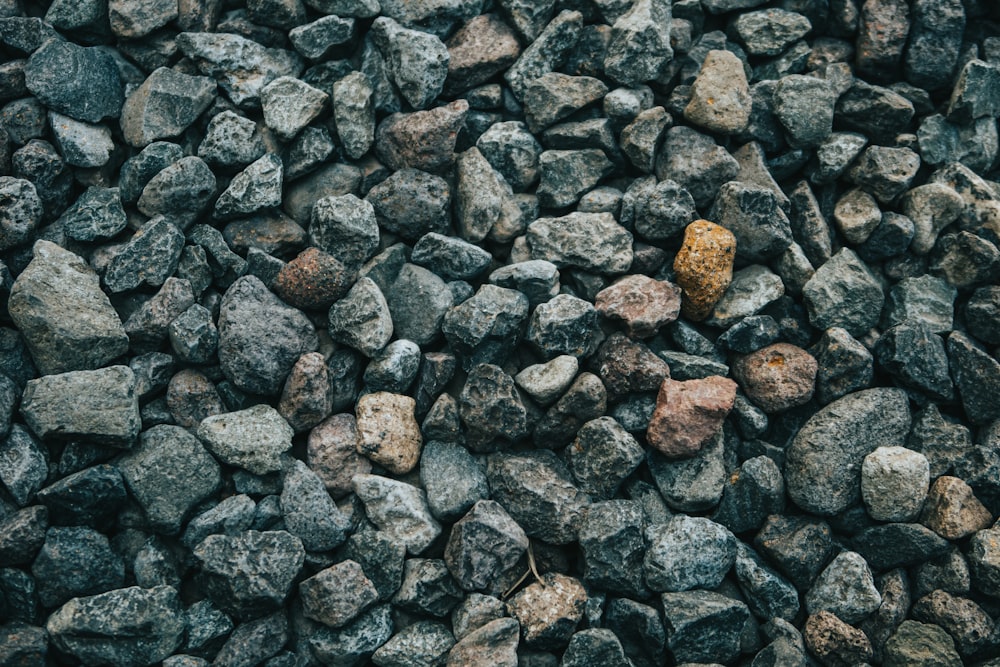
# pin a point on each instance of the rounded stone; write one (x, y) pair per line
(894, 483)
(704, 267)
(777, 377)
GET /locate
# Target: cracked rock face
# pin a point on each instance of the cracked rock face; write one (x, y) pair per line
(468, 333)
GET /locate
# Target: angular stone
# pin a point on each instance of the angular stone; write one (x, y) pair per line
(256, 188)
(316, 39)
(253, 439)
(423, 140)
(844, 293)
(289, 105)
(165, 105)
(692, 484)
(332, 454)
(845, 588)
(687, 553)
(703, 626)
(720, 96)
(67, 321)
(976, 375)
(891, 545)
(513, 151)
(974, 94)
(547, 52)
(338, 594)
(81, 144)
(952, 510)
(548, 610)
(180, 192)
(80, 82)
(696, 162)
(480, 49)
(453, 479)
(835, 642)
(553, 96)
(484, 546)
(916, 643)
(354, 113)
(589, 241)
(20, 212)
(23, 535)
(640, 42)
(230, 141)
(688, 414)
(398, 509)
(89, 497)
(755, 491)
(479, 196)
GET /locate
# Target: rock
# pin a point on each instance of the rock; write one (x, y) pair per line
(96, 215)
(805, 108)
(20, 212)
(823, 465)
(952, 510)
(894, 482)
(230, 141)
(67, 321)
(423, 140)
(843, 293)
(692, 484)
(150, 256)
(427, 588)
(835, 642)
(336, 595)
(569, 241)
(479, 196)
(547, 52)
(976, 375)
(79, 82)
(704, 267)
(798, 546)
(388, 433)
(768, 594)
(688, 414)
(180, 192)
(553, 96)
(512, 151)
(308, 511)
(720, 97)
(549, 610)
(316, 39)
(643, 304)
(613, 544)
(703, 626)
(398, 509)
(254, 189)
(883, 28)
(165, 105)
(585, 399)
(23, 535)
(688, 553)
(475, 567)
(81, 144)
(165, 454)
(480, 49)
(916, 643)
(127, 626)
(777, 377)
(845, 588)
(95, 405)
(249, 573)
(916, 357)
(493, 644)
(486, 327)
(453, 479)
(361, 318)
(412, 203)
(253, 439)
(640, 43)
(566, 175)
(845, 365)
(641, 138)
(887, 172)
(754, 217)
(973, 95)
(424, 642)
(701, 176)
(898, 545)
(751, 494)
(535, 488)
(626, 367)
(602, 456)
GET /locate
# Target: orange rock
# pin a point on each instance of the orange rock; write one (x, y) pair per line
(704, 267)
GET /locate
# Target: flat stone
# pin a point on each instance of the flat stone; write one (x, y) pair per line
(253, 439)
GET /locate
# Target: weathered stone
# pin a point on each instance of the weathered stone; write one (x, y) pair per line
(688, 414)
(253, 439)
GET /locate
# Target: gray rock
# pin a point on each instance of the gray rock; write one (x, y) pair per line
(23, 465)
(768, 594)
(260, 338)
(965, 260)
(546, 382)
(453, 480)
(720, 96)
(703, 626)
(412, 203)
(933, 43)
(924, 299)
(688, 553)
(418, 301)
(415, 61)
(486, 327)
(354, 113)
(67, 321)
(255, 188)
(81, 144)
(96, 215)
(137, 171)
(230, 141)
(250, 573)
(451, 258)
(356, 642)
(547, 52)
(253, 439)
(308, 510)
(874, 111)
(692, 484)
(484, 547)
(89, 497)
(193, 336)
(165, 105)
(823, 466)
(589, 241)
(79, 82)
(974, 94)
(595, 646)
(857, 215)
(751, 290)
(915, 357)
(640, 43)
(602, 456)
(657, 211)
(240, 66)
(512, 151)
(474, 612)
(754, 492)
(563, 325)
(423, 643)
(479, 196)
(96, 405)
(845, 365)
(834, 154)
(361, 319)
(423, 139)
(147, 325)
(768, 32)
(536, 489)
(491, 409)
(314, 40)
(150, 256)
(164, 455)
(345, 227)
(845, 588)
(399, 509)
(696, 162)
(804, 106)
(23, 535)
(553, 96)
(566, 175)
(254, 641)
(428, 588)
(289, 105)
(640, 630)
(20, 212)
(75, 562)
(393, 369)
(128, 626)
(886, 171)
(337, 595)
(753, 214)
(231, 516)
(844, 293)
(613, 543)
(641, 138)
(976, 375)
(942, 142)
(180, 192)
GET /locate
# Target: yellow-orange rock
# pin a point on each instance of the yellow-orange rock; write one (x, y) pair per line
(704, 267)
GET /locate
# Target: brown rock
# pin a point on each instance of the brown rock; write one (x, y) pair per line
(834, 642)
(191, 397)
(963, 619)
(704, 267)
(423, 140)
(688, 414)
(643, 304)
(627, 367)
(479, 49)
(388, 432)
(271, 231)
(777, 377)
(332, 453)
(307, 398)
(549, 610)
(952, 509)
(314, 279)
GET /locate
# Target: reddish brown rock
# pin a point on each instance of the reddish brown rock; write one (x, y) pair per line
(481, 48)
(952, 509)
(704, 267)
(191, 397)
(626, 366)
(834, 642)
(307, 398)
(688, 414)
(314, 279)
(423, 140)
(643, 304)
(777, 377)
(332, 453)
(388, 433)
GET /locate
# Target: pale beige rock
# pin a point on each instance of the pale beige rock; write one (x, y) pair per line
(388, 433)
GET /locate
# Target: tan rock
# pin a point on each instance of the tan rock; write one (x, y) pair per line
(777, 377)
(834, 642)
(952, 509)
(549, 610)
(704, 267)
(332, 453)
(388, 433)
(688, 414)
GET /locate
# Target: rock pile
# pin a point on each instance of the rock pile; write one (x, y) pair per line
(499, 332)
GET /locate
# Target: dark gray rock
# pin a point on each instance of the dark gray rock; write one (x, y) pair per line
(657, 210)
(893, 545)
(193, 336)
(941, 142)
(703, 626)
(844, 293)
(965, 260)
(345, 227)
(804, 106)
(398, 509)
(754, 216)
(22, 535)
(314, 40)
(422, 140)
(250, 573)
(449, 257)
(354, 643)
(484, 547)
(362, 318)
(453, 479)
(692, 484)
(696, 162)
(874, 111)
(886, 172)
(933, 44)
(308, 510)
(547, 52)
(89, 497)
(640, 43)
(491, 409)
(20, 212)
(768, 32)
(290, 104)
(165, 105)
(915, 356)
(536, 489)
(128, 626)
(569, 241)
(768, 594)
(231, 516)
(845, 365)
(253, 439)
(180, 192)
(976, 375)
(81, 144)
(23, 464)
(594, 646)
(165, 454)
(96, 215)
(566, 175)
(418, 301)
(254, 189)
(428, 588)
(337, 595)
(845, 588)
(260, 337)
(602, 456)
(381, 558)
(754, 492)
(834, 154)
(82, 83)
(423, 643)
(412, 203)
(255, 641)
(75, 562)
(231, 141)
(512, 151)
(150, 257)
(974, 95)
(613, 544)
(688, 553)
(486, 327)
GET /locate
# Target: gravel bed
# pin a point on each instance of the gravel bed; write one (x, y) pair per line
(499, 333)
